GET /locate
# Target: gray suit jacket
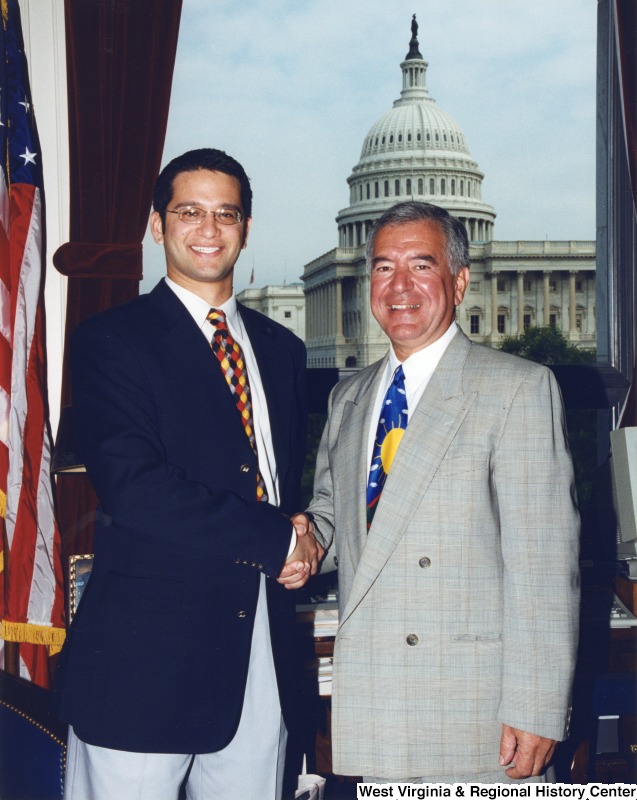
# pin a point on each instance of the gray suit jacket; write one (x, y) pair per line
(459, 609)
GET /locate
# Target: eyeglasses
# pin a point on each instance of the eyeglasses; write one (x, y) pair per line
(193, 215)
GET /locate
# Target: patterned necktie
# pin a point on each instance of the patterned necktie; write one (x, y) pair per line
(230, 356)
(391, 428)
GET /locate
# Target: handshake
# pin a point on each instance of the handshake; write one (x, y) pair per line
(304, 560)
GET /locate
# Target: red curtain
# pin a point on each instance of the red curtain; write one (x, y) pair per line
(120, 59)
(626, 39)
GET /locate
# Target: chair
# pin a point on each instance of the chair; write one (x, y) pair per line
(33, 743)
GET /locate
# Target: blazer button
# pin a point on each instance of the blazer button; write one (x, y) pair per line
(245, 468)
(425, 562)
(412, 640)
(242, 614)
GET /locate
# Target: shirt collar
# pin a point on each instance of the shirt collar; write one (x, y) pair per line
(199, 308)
(425, 360)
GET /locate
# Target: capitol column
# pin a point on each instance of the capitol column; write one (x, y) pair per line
(338, 289)
(546, 302)
(572, 323)
(520, 303)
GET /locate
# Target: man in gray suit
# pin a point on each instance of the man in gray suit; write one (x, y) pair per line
(458, 573)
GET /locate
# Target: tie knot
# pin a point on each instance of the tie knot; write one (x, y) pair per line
(217, 318)
(399, 376)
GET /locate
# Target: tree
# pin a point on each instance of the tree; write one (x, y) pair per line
(546, 346)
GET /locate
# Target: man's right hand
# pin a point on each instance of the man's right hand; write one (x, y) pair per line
(305, 558)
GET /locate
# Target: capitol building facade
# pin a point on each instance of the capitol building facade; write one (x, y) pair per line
(416, 151)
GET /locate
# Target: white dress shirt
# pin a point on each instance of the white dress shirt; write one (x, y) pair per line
(418, 369)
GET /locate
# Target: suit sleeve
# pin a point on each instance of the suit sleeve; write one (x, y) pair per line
(534, 485)
(322, 506)
(118, 435)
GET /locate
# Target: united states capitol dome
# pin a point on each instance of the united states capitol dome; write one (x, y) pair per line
(415, 151)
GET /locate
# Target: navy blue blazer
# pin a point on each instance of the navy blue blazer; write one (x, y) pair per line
(157, 657)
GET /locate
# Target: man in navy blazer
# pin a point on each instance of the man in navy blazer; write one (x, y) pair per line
(178, 666)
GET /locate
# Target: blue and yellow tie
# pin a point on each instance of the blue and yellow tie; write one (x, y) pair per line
(230, 356)
(391, 428)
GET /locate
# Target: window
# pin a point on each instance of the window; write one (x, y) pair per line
(579, 285)
(502, 284)
(579, 322)
(474, 320)
(288, 315)
(432, 186)
(553, 320)
(376, 189)
(420, 186)
(408, 186)
(443, 189)
(397, 188)
(528, 285)
(527, 321)
(474, 286)
(552, 285)
(386, 187)
(368, 191)
(453, 186)
(501, 323)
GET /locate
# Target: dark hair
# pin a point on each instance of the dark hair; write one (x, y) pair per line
(193, 160)
(414, 211)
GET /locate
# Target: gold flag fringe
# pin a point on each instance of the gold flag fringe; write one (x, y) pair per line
(33, 634)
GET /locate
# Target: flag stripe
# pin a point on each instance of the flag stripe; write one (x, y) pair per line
(33, 597)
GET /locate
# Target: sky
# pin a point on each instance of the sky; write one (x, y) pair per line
(290, 88)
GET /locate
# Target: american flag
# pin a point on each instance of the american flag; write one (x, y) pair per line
(32, 600)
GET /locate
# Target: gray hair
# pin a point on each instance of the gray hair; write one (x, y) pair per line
(414, 211)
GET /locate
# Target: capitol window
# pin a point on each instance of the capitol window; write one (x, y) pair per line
(408, 186)
(386, 187)
(420, 186)
(432, 186)
(443, 186)
(397, 188)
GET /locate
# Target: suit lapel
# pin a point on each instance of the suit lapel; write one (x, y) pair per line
(277, 377)
(353, 432)
(432, 427)
(193, 362)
